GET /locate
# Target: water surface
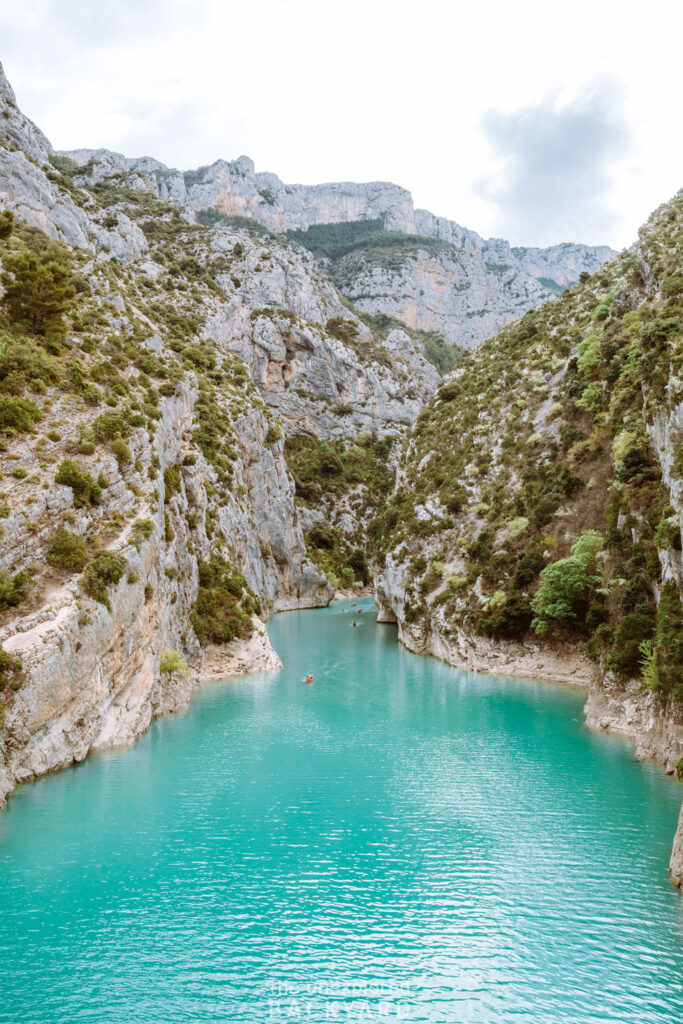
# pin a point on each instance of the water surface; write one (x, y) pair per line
(398, 841)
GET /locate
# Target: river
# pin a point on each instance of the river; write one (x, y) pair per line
(396, 841)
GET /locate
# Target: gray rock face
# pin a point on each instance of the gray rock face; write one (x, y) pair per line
(455, 292)
(276, 321)
(17, 131)
(24, 186)
(466, 290)
(676, 862)
(93, 674)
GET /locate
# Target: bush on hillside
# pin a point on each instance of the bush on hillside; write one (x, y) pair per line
(101, 572)
(67, 551)
(568, 586)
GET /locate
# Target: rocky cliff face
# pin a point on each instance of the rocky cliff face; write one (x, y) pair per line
(466, 289)
(149, 515)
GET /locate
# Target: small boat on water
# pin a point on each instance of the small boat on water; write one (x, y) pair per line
(309, 679)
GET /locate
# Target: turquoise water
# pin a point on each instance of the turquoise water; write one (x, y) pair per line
(399, 841)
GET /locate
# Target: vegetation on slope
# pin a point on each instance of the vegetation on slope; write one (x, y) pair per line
(338, 239)
(533, 497)
(329, 474)
(388, 249)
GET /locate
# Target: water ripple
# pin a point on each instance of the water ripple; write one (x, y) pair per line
(399, 841)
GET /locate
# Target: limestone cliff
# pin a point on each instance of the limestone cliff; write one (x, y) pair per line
(465, 289)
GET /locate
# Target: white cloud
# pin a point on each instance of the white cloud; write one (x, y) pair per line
(370, 89)
(554, 167)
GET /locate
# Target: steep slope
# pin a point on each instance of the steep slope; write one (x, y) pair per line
(151, 369)
(433, 275)
(537, 526)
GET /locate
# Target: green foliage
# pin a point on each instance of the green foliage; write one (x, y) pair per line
(273, 434)
(338, 239)
(212, 216)
(121, 451)
(17, 415)
(341, 328)
(6, 224)
(648, 665)
(39, 288)
(440, 353)
(224, 605)
(101, 572)
(64, 164)
(322, 467)
(13, 589)
(626, 654)
(85, 490)
(109, 425)
(67, 551)
(141, 531)
(568, 586)
(173, 662)
(508, 619)
(668, 640)
(172, 482)
(551, 423)
(25, 365)
(11, 671)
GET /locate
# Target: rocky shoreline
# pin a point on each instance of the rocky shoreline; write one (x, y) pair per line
(60, 725)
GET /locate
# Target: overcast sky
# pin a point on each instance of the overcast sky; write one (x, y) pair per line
(530, 121)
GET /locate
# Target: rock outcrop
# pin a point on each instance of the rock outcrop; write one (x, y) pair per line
(466, 289)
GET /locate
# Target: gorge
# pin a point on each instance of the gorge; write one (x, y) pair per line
(242, 395)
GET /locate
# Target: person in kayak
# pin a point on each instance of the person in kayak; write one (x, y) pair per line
(309, 679)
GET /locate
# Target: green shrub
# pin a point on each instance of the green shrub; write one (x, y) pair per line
(568, 586)
(224, 605)
(107, 426)
(85, 490)
(669, 640)
(273, 434)
(141, 531)
(39, 288)
(633, 631)
(67, 551)
(172, 482)
(13, 589)
(101, 572)
(6, 224)
(121, 451)
(173, 661)
(19, 472)
(17, 415)
(11, 671)
(668, 532)
(509, 620)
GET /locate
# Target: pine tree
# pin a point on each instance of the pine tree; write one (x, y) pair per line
(38, 290)
(6, 223)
